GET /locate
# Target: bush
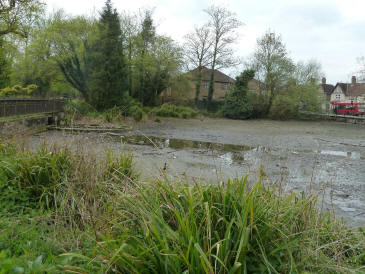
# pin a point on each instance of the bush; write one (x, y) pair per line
(137, 113)
(215, 105)
(289, 102)
(284, 107)
(115, 114)
(168, 110)
(237, 104)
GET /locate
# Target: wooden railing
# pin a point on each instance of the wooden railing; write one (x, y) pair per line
(17, 106)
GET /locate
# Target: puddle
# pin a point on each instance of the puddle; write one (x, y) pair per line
(347, 154)
(161, 142)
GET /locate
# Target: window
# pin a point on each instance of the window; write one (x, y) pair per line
(338, 96)
(206, 85)
(224, 86)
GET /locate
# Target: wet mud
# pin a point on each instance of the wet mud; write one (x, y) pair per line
(324, 158)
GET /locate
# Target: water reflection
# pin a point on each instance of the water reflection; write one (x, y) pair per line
(348, 154)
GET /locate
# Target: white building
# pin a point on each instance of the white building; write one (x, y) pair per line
(349, 93)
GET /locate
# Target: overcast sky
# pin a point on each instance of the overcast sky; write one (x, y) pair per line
(329, 31)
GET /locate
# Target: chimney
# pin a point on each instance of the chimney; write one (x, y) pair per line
(353, 80)
(324, 80)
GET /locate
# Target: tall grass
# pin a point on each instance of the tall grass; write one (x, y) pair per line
(177, 228)
(104, 219)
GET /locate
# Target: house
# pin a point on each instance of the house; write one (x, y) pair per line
(222, 84)
(327, 90)
(349, 92)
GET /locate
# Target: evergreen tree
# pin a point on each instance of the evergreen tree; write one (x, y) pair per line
(237, 104)
(146, 40)
(108, 69)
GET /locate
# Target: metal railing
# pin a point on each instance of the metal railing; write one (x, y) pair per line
(20, 106)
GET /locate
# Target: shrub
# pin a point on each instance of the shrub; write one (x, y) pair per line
(168, 110)
(18, 91)
(114, 114)
(137, 113)
(237, 105)
(284, 107)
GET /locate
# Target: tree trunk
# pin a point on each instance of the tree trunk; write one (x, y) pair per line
(130, 69)
(211, 83)
(198, 85)
(211, 90)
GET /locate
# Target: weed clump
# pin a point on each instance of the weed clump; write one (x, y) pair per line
(169, 110)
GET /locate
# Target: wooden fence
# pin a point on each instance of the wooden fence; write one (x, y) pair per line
(11, 107)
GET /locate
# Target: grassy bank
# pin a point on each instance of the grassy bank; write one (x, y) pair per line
(63, 210)
(77, 109)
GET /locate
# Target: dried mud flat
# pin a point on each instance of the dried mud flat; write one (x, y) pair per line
(326, 158)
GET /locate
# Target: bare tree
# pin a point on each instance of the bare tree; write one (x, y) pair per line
(197, 52)
(14, 15)
(361, 72)
(271, 63)
(306, 72)
(223, 24)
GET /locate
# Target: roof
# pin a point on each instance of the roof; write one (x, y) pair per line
(218, 76)
(328, 89)
(357, 89)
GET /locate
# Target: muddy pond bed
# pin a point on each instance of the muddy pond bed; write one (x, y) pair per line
(325, 158)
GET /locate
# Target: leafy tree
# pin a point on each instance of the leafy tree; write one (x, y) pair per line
(15, 15)
(108, 70)
(307, 72)
(237, 104)
(223, 24)
(145, 41)
(158, 61)
(5, 65)
(71, 41)
(129, 27)
(295, 98)
(197, 52)
(272, 64)
(18, 91)
(36, 60)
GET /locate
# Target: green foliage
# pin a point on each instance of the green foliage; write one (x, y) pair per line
(118, 169)
(17, 15)
(108, 70)
(168, 227)
(237, 105)
(75, 109)
(18, 91)
(115, 114)
(158, 61)
(169, 110)
(258, 103)
(29, 180)
(137, 113)
(120, 224)
(289, 103)
(5, 65)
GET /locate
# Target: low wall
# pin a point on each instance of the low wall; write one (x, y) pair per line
(26, 125)
(333, 117)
